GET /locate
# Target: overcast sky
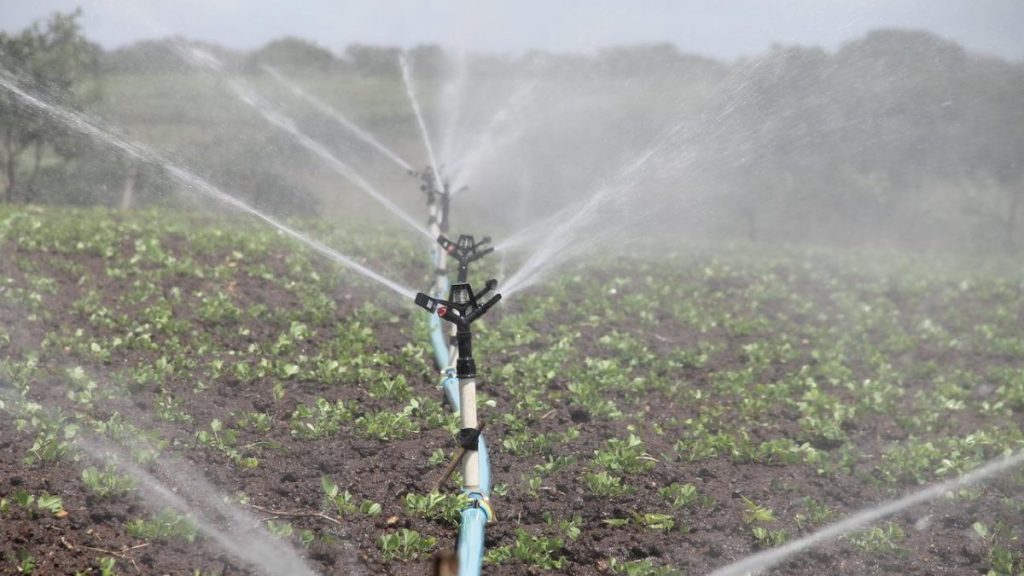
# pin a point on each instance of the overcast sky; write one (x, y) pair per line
(720, 28)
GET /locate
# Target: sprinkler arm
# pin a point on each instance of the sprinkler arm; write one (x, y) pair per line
(488, 286)
(483, 309)
(464, 315)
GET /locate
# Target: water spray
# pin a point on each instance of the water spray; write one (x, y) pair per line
(411, 92)
(189, 181)
(439, 193)
(338, 117)
(462, 308)
(761, 561)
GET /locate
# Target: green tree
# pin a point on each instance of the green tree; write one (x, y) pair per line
(57, 60)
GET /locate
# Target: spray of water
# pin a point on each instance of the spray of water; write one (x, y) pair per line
(243, 535)
(338, 117)
(765, 560)
(560, 232)
(556, 240)
(247, 540)
(452, 103)
(486, 142)
(246, 94)
(205, 60)
(410, 90)
(191, 182)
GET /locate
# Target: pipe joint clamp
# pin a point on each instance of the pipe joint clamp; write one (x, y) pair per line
(469, 438)
(479, 501)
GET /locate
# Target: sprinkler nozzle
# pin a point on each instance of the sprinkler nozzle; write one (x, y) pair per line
(462, 301)
(425, 302)
(490, 285)
(465, 250)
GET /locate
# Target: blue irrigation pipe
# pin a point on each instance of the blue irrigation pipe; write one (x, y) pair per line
(476, 516)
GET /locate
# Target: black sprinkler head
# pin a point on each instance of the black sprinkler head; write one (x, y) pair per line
(465, 250)
(462, 308)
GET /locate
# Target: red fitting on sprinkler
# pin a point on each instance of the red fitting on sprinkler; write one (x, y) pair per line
(462, 308)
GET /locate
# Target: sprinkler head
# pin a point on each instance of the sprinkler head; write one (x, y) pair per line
(465, 250)
(462, 307)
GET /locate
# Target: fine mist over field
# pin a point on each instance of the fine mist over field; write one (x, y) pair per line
(898, 138)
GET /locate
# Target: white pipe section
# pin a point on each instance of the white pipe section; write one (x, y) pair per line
(471, 461)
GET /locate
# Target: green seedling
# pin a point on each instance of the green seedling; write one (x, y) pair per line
(107, 565)
(539, 551)
(437, 506)
(885, 538)
(405, 545)
(754, 513)
(167, 525)
(604, 485)
(683, 495)
(280, 529)
(765, 538)
(108, 483)
(654, 521)
(320, 420)
(642, 567)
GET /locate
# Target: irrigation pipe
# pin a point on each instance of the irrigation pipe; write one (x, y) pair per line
(458, 377)
(459, 384)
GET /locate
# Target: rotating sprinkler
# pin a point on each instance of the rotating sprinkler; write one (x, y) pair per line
(465, 250)
(461, 309)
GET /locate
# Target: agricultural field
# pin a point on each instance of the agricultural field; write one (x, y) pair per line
(648, 417)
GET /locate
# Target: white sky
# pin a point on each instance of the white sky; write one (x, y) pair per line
(719, 28)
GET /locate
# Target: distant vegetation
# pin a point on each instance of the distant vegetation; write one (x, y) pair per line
(897, 137)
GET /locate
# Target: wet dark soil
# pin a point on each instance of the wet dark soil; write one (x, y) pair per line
(286, 485)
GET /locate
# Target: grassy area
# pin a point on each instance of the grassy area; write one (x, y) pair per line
(645, 417)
